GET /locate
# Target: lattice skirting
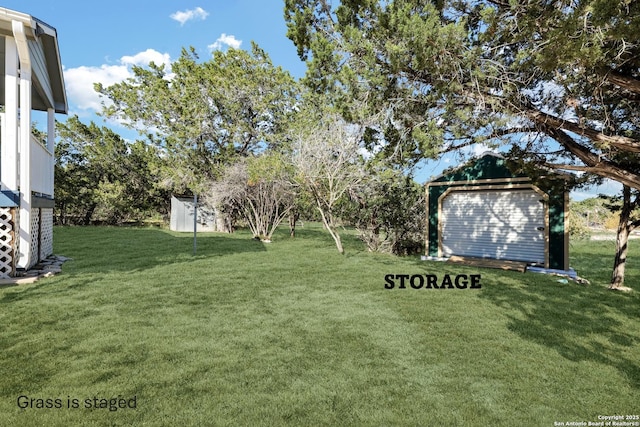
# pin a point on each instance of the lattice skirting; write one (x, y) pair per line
(35, 237)
(41, 238)
(46, 232)
(8, 241)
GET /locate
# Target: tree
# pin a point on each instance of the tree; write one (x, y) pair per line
(327, 165)
(260, 189)
(388, 210)
(559, 81)
(204, 115)
(303, 209)
(99, 175)
(74, 188)
(628, 205)
(556, 82)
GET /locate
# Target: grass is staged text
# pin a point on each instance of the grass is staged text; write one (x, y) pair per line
(112, 404)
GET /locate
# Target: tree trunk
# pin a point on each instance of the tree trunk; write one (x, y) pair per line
(336, 238)
(62, 214)
(224, 222)
(622, 240)
(334, 233)
(88, 214)
(293, 218)
(617, 278)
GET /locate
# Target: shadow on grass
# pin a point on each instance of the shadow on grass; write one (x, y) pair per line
(102, 250)
(108, 249)
(596, 265)
(580, 323)
(315, 231)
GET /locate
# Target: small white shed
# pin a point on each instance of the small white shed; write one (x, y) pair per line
(182, 211)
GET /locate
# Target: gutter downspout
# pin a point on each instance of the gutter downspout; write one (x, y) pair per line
(24, 260)
(10, 136)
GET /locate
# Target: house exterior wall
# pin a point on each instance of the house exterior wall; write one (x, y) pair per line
(492, 172)
(33, 80)
(41, 82)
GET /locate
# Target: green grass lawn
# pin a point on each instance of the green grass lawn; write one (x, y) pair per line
(292, 333)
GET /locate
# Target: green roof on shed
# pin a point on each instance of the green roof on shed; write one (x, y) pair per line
(489, 166)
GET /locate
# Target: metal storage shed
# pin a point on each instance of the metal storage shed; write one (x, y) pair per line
(182, 210)
(484, 209)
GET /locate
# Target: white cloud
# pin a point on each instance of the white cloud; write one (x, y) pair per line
(79, 81)
(188, 15)
(225, 40)
(479, 149)
(144, 58)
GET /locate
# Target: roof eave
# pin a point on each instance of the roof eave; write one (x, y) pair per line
(35, 28)
(49, 37)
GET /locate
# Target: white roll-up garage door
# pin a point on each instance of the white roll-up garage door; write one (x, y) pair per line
(498, 224)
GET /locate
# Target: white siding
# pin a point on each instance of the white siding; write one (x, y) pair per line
(182, 216)
(40, 76)
(499, 224)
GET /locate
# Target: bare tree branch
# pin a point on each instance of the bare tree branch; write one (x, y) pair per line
(624, 81)
(596, 164)
(621, 142)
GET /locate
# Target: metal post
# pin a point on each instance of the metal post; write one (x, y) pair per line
(195, 223)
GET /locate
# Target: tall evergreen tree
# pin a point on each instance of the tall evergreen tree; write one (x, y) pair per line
(203, 115)
(100, 176)
(560, 78)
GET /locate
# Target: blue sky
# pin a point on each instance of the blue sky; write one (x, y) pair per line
(100, 41)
